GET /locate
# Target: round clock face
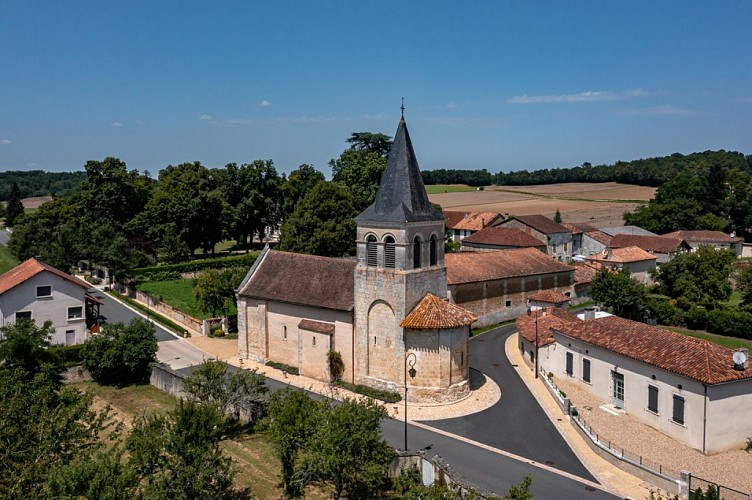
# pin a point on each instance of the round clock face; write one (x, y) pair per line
(740, 358)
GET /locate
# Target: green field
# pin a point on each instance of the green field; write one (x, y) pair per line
(448, 188)
(178, 294)
(7, 260)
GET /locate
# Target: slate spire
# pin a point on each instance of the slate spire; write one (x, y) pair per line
(402, 196)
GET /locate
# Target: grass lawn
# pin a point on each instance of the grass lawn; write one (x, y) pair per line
(7, 260)
(257, 466)
(736, 298)
(448, 188)
(178, 294)
(730, 342)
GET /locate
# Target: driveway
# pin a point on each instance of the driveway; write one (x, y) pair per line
(517, 423)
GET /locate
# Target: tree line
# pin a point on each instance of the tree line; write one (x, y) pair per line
(40, 183)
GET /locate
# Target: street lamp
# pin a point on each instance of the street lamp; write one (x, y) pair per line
(529, 312)
(411, 358)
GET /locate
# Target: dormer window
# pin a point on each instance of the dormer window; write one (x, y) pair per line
(371, 251)
(389, 257)
(416, 252)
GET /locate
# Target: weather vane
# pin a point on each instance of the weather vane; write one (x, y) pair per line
(403, 107)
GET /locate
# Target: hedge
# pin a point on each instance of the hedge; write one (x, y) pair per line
(383, 395)
(70, 354)
(731, 323)
(194, 266)
(285, 368)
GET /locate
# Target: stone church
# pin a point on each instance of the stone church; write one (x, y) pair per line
(385, 312)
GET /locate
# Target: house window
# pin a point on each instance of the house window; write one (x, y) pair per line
(416, 252)
(23, 316)
(76, 312)
(653, 398)
(509, 303)
(433, 253)
(44, 291)
(389, 260)
(284, 333)
(314, 340)
(586, 370)
(371, 251)
(678, 413)
(570, 364)
(462, 358)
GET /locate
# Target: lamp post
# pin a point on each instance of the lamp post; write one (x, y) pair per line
(529, 312)
(411, 358)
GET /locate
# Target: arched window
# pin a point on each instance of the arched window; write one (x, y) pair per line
(389, 260)
(416, 252)
(371, 251)
(433, 258)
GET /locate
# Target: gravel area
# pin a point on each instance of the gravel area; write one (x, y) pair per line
(732, 469)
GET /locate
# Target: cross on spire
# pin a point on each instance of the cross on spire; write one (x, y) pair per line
(403, 107)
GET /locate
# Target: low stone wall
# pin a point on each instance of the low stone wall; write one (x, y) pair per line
(563, 402)
(168, 380)
(435, 470)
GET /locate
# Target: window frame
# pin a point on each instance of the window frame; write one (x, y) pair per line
(30, 313)
(417, 252)
(372, 251)
(80, 317)
(48, 296)
(390, 252)
(569, 366)
(678, 398)
(586, 372)
(433, 250)
(653, 395)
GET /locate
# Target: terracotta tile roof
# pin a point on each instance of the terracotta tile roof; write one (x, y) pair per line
(317, 326)
(623, 256)
(303, 279)
(579, 227)
(547, 319)
(703, 236)
(433, 312)
(30, 268)
(472, 221)
(688, 356)
(549, 296)
(659, 244)
(504, 236)
(542, 223)
(468, 267)
(584, 273)
(600, 237)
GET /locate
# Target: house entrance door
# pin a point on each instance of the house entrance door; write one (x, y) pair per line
(70, 337)
(617, 389)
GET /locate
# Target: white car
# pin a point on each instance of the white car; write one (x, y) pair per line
(578, 258)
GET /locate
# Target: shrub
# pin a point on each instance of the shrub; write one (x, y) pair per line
(696, 318)
(245, 260)
(380, 394)
(336, 365)
(285, 368)
(731, 323)
(71, 355)
(121, 355)
(748, 448)
(664, 312)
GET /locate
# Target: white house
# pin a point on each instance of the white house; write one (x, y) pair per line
(37, 291)
(688, 388)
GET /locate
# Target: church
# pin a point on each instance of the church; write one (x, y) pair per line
(386, 313)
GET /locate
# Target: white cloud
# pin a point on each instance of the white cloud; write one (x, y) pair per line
(116, 124)
(240, 121)
(5, 141)
(205, 117)
(588, 96)
(666, 109)
(265, 103)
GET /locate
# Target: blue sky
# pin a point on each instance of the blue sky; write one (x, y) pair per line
(496, 85)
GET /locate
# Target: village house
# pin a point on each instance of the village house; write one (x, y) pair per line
(694, 391)
(715, 239)
(557, 238)
(500, 238)
(634, 260)
(37, 291)
(586, 239)
(464, 224)
(663, 247)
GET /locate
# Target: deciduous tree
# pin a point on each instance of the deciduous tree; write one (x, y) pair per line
(120, 354)
(14, 209)
(626, 296)
(700, 277)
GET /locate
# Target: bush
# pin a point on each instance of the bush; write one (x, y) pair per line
(245, 260)
(121, 355)
(731, 323)
(383, 395)
(336, 365)
(285, 368)
(696, 318)
(664, 312)
(71, 355)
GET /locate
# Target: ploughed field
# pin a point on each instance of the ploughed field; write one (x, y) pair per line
(598, 204)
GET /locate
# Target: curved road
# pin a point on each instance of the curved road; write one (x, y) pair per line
(516, 423)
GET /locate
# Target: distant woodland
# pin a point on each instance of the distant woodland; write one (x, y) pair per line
(41, 183)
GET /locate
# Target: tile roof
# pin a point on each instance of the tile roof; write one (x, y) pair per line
(471, 221)
(579, 227)
(548, 318)
(584, 273)
(622, 256)
(468, 267)
(688, 356)
(703, 236)
(549, 296)
(600, 236)
(504, 236)
(401, 196)
(660, 244)
(30, 268)
(433, 312)
(317, 326)
(303, 279)
(542, 223)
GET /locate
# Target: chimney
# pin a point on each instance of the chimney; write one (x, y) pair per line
(590, 313)
(741, 359)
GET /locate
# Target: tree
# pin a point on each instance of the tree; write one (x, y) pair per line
(121, 355)
(214, 289)
(297, 185)
(173, 246)
(14, 209)
(359, 171)
(377, 143)
(322, 223)
(700, 277)
(744, 284)
(291, 419)
(557, 216)
(233, 392)
(617, 290)
(348, 450)
(26, 348)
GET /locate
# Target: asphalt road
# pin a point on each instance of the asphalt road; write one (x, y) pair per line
(517, 423)
(485, 468)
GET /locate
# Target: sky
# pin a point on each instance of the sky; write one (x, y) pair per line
(498, 85)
